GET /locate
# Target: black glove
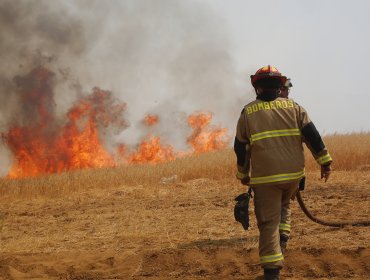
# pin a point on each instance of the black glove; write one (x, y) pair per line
(302, 183)
(241, 213)
(245, 181)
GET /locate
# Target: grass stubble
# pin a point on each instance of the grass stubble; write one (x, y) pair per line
(132, 209)
(351, 152)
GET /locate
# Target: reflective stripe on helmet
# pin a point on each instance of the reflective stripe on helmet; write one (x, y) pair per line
(276, 178)
(271, 258)
(324, 159)
(275, 133)
(269, 70)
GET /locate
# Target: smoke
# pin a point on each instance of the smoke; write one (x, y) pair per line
(166, 57)
(27, 26)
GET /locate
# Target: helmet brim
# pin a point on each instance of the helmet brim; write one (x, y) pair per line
(268, 82)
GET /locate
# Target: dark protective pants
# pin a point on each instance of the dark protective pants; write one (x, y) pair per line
(272, 209)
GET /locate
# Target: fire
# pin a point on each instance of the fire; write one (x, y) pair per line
(151, 120)
(204, 137)
(42, 143)
(31, 144)
(80, 139)
(44, 146)
(152, 151)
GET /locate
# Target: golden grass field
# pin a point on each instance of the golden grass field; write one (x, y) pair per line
(140, 222)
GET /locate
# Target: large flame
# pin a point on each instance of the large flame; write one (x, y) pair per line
(80, 141)
(206, 138)
(151, 150)
(45, 144)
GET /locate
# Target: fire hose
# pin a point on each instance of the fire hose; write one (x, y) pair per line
(241, 212)
(320, 221)
(328, 223)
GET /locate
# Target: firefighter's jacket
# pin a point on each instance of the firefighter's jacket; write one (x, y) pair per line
(269, 138)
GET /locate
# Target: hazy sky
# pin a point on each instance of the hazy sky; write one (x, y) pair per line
(323, 45)
(171, 56)
(175, 57)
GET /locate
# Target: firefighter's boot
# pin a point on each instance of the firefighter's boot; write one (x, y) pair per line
(271, 274)
(283, 242)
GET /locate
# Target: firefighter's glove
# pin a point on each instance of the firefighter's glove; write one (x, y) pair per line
(241, 213)
(325, 172)
(302, 183)
(244, 178)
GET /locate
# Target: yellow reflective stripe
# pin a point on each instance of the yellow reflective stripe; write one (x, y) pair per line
(285, 227)
(272, 132)
(324, 159)
(277, 178)
(275, 133)
(271, 258)
(240, 175)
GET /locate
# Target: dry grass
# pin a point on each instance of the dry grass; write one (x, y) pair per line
(349, 151)
(123, 223)
(215, 165)
(151, 232)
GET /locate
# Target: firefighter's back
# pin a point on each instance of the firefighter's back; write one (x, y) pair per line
(276, 142)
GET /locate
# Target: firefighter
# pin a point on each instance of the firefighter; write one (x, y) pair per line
(284, 90)
(269, 150)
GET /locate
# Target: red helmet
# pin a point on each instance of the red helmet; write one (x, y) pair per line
(268, 76)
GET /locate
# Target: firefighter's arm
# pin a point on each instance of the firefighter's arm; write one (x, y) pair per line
(242, 150)
(316, 145)
(314, 142)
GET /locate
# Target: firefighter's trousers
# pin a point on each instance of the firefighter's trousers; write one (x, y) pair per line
(272, 209)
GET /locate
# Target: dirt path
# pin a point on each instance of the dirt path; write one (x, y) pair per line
(178, 231)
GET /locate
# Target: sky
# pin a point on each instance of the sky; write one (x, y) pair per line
(174, 57)
(323, 46)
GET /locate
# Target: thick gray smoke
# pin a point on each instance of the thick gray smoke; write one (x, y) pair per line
(169, 57)
(33, 33)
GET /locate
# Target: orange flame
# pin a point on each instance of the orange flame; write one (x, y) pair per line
(44, 144)
(80, 139)
(204, 137)
(45, 147)
(152, 151)
(151, 120)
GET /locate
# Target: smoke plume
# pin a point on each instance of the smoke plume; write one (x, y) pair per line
(166, 57)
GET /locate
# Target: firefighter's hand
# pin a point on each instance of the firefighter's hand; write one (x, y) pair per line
(325, 172)
(245, 180)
